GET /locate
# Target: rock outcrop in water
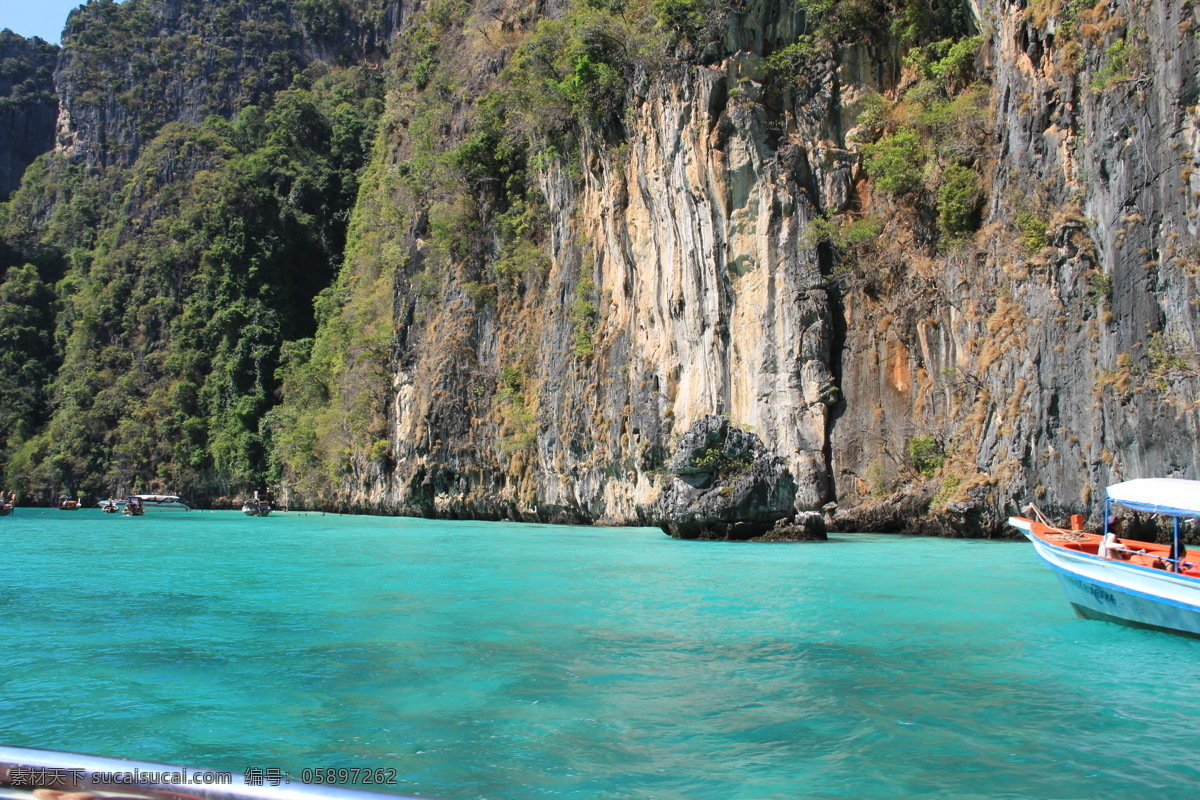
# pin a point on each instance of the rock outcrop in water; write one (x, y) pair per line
(725, 485)
(806, 526)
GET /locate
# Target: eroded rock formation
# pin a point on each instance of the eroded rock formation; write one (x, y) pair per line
(726, 485)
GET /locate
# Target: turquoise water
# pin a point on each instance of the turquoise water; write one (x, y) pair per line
(512, 661)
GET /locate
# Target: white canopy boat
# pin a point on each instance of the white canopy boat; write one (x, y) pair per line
(1142, 584)
(150, 502)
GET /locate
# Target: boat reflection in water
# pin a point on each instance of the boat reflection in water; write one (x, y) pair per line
(1121, 580)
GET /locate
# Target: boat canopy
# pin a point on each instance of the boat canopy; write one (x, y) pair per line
(1173, 496)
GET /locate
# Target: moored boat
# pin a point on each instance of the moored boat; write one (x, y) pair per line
(68, 504)
(149, 502)
(162, 502)
(1130, 582)
(6, 509)
(256, 508)
(134, 507)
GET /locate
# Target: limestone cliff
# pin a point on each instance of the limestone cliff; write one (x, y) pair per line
(27, 105)
(672, 284)
(1055, 352)
(129, 69)
(1044, 349)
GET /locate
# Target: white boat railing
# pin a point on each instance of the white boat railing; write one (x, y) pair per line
(26, 770)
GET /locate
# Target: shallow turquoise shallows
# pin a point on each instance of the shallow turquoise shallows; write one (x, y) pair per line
(513, 661)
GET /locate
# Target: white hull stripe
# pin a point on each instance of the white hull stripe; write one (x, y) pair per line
(1125, 589)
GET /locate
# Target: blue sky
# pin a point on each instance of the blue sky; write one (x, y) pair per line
(44, 18)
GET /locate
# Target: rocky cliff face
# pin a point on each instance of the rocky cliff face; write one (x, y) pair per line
(28, 108)
(676, 286)
(130, 68)
(1055, 353)
(922, 380)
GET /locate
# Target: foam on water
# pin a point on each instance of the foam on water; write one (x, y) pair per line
(513, 661)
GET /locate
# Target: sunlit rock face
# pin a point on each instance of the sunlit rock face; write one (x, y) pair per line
(1032, 356)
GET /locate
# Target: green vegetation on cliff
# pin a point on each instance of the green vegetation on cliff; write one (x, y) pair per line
(26, 70)
(28, 105)
(179, 278)
(137, 65)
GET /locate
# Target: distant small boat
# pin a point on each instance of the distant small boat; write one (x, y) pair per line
(256, 509)
(6, 509)
(133, 507)
(68, 504)
(109, 507)
(162, 502)
(1130, 582)
(149, 502)
(257, 506)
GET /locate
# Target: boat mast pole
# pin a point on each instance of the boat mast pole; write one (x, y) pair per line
(1107, 511)
(1178, 560)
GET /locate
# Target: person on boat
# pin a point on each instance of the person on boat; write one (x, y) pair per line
(1110, 545)
(1178, 554)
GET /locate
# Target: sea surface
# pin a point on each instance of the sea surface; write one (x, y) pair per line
(491, 660)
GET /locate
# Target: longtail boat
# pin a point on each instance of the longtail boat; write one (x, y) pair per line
(1122, 580)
